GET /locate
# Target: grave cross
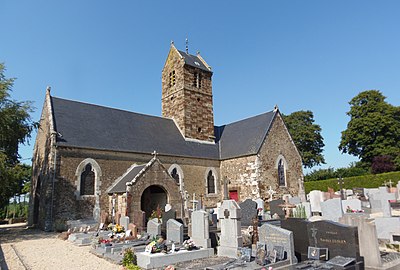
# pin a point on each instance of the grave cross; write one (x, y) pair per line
(226, 213)
(226, 193)
(270, 192)
(314, 235)
(390, 183)
(340, 182)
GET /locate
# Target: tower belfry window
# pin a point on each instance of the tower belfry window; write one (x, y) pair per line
(172, 78)
(197, 80)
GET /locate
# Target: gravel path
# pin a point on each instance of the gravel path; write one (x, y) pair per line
(33, 249)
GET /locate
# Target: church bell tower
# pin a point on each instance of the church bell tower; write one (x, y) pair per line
(187, 94)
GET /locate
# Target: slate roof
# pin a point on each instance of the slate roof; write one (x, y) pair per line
(119, 185)
(91, 126)
(193, 61)
(244, 137)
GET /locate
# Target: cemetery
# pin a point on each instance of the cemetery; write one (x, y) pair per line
(323, 230)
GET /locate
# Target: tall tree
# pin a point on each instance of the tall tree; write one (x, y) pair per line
(373, 129)
(306, 136)
(16, 126)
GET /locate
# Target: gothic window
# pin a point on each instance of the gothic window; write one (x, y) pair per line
(281, 173)
(175, 175)
(197, 80)
(87, 181)
(210, 182)
(172, 78)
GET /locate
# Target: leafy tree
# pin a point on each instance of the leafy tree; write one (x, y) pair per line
(306, 136)
(16, 126)
(373, 129)
(382, 164)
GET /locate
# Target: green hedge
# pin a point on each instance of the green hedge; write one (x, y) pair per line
(365, 181)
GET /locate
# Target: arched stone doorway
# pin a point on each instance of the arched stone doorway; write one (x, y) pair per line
(152, 197)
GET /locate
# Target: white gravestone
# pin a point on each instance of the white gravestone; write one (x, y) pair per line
(231, 235)
(200, 229)
(174, 231)
(153, 227)
(316, 197)
(332, 209)
(353, 204)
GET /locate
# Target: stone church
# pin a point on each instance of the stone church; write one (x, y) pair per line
(90, 160)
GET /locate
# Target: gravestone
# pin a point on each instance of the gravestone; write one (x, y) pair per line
(398, 190)
(124, 222)
(139, 218)
(332, 209)
(153, 227)
(174, 231)
(200, 229)
(171, 214)
(359, 191)
(260, 207)
(316, 197)
(275, 237)
(231, 235)
(352, 204)
(295, 200)
(132, 227)
(368, 240)
(385, 226)
(249, 211)
(275, 209)
(341, 240)
(300, 238)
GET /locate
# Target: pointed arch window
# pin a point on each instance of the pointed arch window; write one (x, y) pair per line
(210, 182)
(281, 173)
(87, 181)
(175, 171)
(175, 175)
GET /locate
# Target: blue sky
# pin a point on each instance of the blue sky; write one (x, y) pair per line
(300, 55)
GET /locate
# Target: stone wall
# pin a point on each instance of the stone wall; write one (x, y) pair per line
(279, 143)
(252, 176)
(113, 165)
(242, 174)
(40, 200)
(191, 107)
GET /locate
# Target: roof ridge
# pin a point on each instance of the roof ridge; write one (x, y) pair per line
(245, 119)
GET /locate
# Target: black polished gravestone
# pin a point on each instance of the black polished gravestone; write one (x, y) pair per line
(300, 237)
(339, 239)
(274, 208)
(249, 212)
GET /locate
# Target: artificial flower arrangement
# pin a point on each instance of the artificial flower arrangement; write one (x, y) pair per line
(156, 246)
(188, 244)
(349, 210)
(118, 229)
